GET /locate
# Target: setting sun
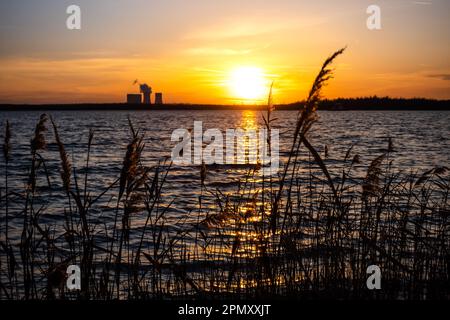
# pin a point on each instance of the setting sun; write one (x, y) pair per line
(248, 83)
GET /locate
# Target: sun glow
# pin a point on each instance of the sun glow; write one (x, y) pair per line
(248, 83)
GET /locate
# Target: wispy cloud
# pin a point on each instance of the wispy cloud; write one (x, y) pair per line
(442, 76)
(211, 51)
(252, 27)
(423, 3)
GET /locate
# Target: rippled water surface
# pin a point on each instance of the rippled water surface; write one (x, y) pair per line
(421, 141)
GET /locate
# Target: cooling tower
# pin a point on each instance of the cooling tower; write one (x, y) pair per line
(147, 98)
(134, 98)
(158, 98)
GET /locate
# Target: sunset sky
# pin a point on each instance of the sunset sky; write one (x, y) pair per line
(201, 51)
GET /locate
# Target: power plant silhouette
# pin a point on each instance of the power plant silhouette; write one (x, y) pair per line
(144, 97)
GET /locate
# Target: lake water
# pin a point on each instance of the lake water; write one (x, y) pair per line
(421, 141)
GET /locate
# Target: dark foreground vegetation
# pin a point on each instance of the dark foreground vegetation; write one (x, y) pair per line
(295, 235)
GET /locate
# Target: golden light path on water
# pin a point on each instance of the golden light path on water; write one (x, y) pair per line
(243, 224)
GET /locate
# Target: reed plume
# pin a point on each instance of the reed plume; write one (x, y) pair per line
(371, 185)
(65, 162)
(38, 142)
(131, 169)
(427, 174)
(132, 177)
(270, 108)
(131, 165)
(309, 114)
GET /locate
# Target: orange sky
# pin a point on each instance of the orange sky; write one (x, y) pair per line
(189, 49)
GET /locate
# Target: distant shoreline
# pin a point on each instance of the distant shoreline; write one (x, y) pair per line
(353, 104)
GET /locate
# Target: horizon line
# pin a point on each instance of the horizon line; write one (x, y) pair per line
(215, 104)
